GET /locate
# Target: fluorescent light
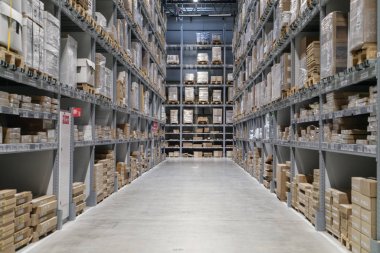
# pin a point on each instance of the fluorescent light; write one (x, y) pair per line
(189, 15)
(219, 15)
(195, 1)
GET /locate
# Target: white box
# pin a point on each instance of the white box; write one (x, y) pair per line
(85, 71)
(33, 9)
(27, 36)
(38, 47)
(16, 22)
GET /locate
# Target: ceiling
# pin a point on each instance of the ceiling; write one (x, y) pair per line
(202, 7)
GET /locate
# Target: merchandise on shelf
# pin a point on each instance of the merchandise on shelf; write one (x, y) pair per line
(189, 94)
(85, 72)
(122, 87)
(188, 116)
(334, 36)
(217, 96)
(203, 38)
(217, 55)
(172, 59)
(216, 79)
(79, 197)
(229, 116)
(173, 94)
(216, 38)
(68, 61)
(202, 58)
(189, 78)
(203, 95)
(44, 215)
(230, 78)
(7, 219)
(202, 77)
(281, 179)
(217, 116)
(302, 73)
(174, 117)
(135, 96)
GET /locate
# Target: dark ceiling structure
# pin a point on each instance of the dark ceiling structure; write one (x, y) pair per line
(200, 8)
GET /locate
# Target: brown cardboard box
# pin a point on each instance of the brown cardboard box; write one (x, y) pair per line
(23, 209)
(356, 223)
(22, 222)
(368, 216)
(23, 197)
(7, 230)
(45, 209)
(368, 229)
(356, 210)
(355, 248)
(7, 218)
(5, 194)
(368, 187)
(365, 242)
(355, 236)
(5, 243)
(355, 198)
(22, 235)
(42, 200)
(356, 183)
(35, 219)
(368, 203)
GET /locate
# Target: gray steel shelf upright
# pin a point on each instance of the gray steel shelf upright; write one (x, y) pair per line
(34, 167)
(337, 162)
(185, 46)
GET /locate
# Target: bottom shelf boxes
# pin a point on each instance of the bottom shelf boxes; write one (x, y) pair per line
(44, 216)
(79, 197)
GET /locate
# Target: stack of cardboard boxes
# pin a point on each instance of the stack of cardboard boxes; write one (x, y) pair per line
(7, 220)
(336, 198)
(23, 209)
(315, 197)
(122, 174)
(364, 211)
(303, 196)
(297, 180)
(98, 183)
(44, 216)
(281, 178)
(79, 197)
(268, 171)
(107, 158)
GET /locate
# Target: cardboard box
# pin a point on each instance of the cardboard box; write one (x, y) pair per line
(85, 71)
(42, 200)
(356, 211)
(368, 187)
(368, 216)
(356, 223)
(23, 197)
(356, 183)
(365, 242)
(368, 229)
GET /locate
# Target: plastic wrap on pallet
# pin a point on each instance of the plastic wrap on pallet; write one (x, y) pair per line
(294, 9)
(203, 94)
(174, 117)
(302, 73)
(268, 88)
(286, 69)
(51, 60)
(146, 102)
(230, 93)
(33, 9)
(334, 35)
(217, 54)
(173, 94)
(217, 116)
(85, 71)
(189, 77)
(27, 36)
(108, 89)
(203, 37)
(188, 116)
(68, 61)
(189, 94)
(100, 72)
(101, 20)
(53, 26)
(217, 95)
(230, 77)
(229, 116)
(137, 47)
(135, 96)
(172, 59)
(202, 77)
(202, 57)
(276, 82)
(216, 37)
(363, 25)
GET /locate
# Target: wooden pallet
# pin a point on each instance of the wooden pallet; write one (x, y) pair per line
(86, 87)
(23, 243)
(203, 102)
(217, 62)
(188, 102)
(173, 102)
(216, 102)
(346, 242)
(332, 234)
(217, 42)
(230, 102)
(217, 82)
(202, 62)
(312, 80)
(33, 72)
(37, 237)
(11, 58)
(367, 52)
(230, 82)
(203, 83)
(101, 96)
(188, 82)
(202, 43)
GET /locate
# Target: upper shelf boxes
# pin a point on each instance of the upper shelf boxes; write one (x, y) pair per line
(334, 36)
(10, 37)
(68, 61)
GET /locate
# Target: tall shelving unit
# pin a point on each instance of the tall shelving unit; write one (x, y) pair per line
(181, 39)
(337, 163)
(35, 167)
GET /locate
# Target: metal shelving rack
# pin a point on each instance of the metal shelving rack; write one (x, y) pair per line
(35, 167)
(184, 46)
(337, 162)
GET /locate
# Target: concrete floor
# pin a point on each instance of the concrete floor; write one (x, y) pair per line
(190, 206)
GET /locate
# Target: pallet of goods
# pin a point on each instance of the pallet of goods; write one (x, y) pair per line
(44, 216)
(79, 197)
(23, 232)
(7, 220)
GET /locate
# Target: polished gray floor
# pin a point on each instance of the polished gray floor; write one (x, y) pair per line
(190, 206)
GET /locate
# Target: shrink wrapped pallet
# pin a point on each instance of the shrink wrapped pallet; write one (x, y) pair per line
(189, 94)
(217, 116)
(276, 82)
(230, 78)
(172, 59)
(189, 78)
(174, 117)
(68, 61)
(202, 58)
(229, 116)
(52, 45)
(188, 116)
(100, 72)
(363, 25)
(217, 55)
(173, 94)
(203, 94)
(217, 96)
(202, 77)
(216, 38)
(137, 57)
(135, 96)
(286, 69)
(203, 38)
(333, 44)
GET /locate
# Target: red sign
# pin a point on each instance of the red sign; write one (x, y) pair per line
(155, 126)
(65, 119)
(77, 112)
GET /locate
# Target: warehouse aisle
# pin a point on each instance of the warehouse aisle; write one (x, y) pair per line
(186, 206)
